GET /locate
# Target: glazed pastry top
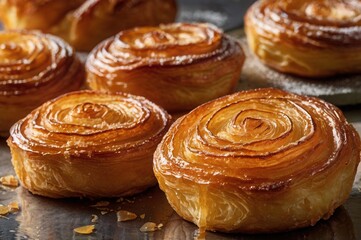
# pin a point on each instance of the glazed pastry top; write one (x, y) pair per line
(30, 60)
(172, 44)
(88, 123)
(258, 140)
(319, 24)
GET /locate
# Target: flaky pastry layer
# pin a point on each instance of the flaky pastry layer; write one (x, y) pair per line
(178, 66)
(306, 38)
(88, 144)
(34, 68)
(258, 161)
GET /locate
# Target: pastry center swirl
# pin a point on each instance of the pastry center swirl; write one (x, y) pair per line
(326, 11)
(162, 38)
(89, 110)
(166, 41)
(250, 131)
(97, 116)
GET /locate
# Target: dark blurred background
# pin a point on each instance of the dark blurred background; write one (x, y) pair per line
(226, 14)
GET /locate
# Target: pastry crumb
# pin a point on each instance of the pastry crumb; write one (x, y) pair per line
(142, 216)
(123, 216)
(4, 210)
(129, 201)
(13, 207)
(104, 209)
(94, 218)
(101, 204)
(88, 229)
(149, 227)
(9, 181)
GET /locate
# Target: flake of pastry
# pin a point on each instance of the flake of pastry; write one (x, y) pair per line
(87, 229)
(123, 216)
(9, 181)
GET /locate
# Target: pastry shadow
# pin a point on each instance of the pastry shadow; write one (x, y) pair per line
(339, 226)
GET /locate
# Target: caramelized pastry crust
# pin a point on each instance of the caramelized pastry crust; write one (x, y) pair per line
(310, 38)
(88, 144)
(84, 23)
(178, 66)
(258, 161)
(34, 68)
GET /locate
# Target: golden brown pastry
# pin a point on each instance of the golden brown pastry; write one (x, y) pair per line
(178, 66)
(88, 144)
(34, 68)
(311, 38)
(258, 161)
(84, 23)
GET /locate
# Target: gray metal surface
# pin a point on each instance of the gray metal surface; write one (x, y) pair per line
(227, 14)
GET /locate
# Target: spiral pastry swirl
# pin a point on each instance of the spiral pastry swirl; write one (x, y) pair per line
(34, 68)
(258, 161)
(88, 144)
(308, 38)
(178, 66)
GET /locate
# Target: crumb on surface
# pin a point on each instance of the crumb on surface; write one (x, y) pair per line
(94, 218)
(149, 227)
(87, 229)
(123, 216)
(9, 181)
(101, 204)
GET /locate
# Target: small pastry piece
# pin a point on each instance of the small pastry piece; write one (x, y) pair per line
(258, 161)
(84, 23)
(178, 66)
(311, 38)
(88, 144)
(34, 68)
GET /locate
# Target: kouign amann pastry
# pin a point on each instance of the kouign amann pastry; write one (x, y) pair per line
(258, 161)
(311, 38)
(84, 23)
(34, 68)
(88, 144)
(178, 66)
